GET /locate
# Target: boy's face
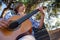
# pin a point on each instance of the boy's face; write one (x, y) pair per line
(22, 8)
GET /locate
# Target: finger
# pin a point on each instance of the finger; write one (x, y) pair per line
(2, 24)
(41, 8)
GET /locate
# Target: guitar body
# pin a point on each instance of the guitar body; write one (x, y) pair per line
(11, 35)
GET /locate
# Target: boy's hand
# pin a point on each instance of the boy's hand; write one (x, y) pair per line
(4, 23)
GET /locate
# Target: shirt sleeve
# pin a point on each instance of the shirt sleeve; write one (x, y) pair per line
(34, 22)
(8, 15)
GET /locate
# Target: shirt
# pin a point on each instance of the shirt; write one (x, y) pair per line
(9, 14)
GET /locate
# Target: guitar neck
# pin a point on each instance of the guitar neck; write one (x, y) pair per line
(27, 16)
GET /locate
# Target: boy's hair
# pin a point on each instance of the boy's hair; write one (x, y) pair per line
(19, 4)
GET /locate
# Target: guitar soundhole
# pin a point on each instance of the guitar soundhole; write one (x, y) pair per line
(13, 26)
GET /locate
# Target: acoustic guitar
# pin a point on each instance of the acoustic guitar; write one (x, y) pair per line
(18, 26)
